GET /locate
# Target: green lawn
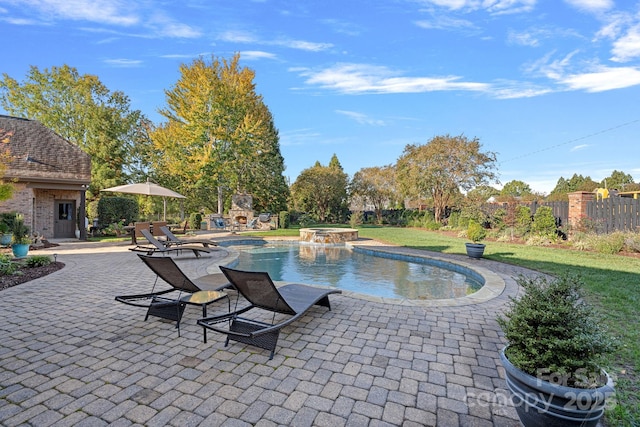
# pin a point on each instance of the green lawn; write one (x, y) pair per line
(612, 287)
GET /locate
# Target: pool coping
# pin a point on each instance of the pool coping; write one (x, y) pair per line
(494, 284)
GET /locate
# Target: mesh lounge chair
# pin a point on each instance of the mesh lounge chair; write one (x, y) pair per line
(173, 240)
(170, 303)
(158, 247)
(258, 289)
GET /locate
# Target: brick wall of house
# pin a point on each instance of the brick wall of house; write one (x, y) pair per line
(38, 207)
(22, 202)
(45, 209)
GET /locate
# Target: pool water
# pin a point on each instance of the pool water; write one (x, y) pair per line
(342, 268)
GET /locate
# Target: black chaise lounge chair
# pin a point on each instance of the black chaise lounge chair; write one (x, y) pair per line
(156, 246)
(170, 303)
(173, 240)
(258, 289)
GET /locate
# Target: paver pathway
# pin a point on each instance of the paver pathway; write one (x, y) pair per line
(72, 356)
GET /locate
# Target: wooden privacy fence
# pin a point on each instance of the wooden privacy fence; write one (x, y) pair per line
(615, 214)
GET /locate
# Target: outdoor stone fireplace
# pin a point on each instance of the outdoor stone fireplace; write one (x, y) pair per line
(241, 212)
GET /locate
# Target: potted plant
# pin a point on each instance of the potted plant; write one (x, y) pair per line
(475, 233)
(21, 239)
(551, 361)
(5, 236)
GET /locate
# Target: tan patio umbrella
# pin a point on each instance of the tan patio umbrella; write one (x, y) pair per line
(148, 189)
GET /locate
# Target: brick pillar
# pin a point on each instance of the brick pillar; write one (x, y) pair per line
(578, 206)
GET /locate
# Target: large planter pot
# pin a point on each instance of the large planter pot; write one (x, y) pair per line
(5, 239)
(544, 404)
(20, 250)
(475, 250)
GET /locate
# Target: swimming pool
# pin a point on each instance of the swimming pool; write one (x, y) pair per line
(350, 270)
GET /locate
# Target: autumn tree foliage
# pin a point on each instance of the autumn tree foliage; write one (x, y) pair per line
(219, 137)
(375, 186)
(83, 111)
(442, 167)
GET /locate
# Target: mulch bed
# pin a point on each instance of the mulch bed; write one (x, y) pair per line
(26, 274)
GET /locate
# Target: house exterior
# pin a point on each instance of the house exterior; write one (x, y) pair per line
(50, 177)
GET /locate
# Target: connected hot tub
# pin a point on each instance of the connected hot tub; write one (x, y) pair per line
(328, 236)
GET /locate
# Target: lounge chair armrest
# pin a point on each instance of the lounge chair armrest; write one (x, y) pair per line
(135, 300)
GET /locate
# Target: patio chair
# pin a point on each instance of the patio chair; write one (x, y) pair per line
(156, 246)
(259, 290)
(170, 303)
(172, 239)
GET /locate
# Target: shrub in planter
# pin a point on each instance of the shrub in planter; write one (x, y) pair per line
(555, 344)
(475, 233)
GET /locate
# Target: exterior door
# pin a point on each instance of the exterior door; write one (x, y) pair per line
(64, 221)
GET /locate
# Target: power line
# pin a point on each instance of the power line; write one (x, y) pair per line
(571, 141)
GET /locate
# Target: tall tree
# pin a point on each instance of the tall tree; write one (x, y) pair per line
(219, 136)
(516, 188)
(83, 111)
(321, 190)
(443, 166)
(575, 183)
(618, 180)
(375, 186)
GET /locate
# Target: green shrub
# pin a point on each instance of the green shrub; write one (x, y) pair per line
(37, 261)
(306, 220)
(7, 267)
(632, 242)
(356, 219)
(523, 220)
(544, 223)
(475, 232)
(453, 219)
(194, 220)
(551, 330)
(115, 209)
(284, 219)
(610, 243)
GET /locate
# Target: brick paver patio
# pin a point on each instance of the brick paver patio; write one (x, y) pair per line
(72, 356)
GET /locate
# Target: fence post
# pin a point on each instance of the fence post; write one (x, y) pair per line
(578, 206)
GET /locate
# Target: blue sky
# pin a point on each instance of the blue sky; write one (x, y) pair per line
(551, 86)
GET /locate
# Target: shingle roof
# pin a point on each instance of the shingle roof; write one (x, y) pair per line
(41, 154)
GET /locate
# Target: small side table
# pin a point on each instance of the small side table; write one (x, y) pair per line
(203, 299)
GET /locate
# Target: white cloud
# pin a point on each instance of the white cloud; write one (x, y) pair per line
(237, 37)
(363, 78)
(591, 5)
(123, 63)
(113, 12)
(120, 13)
(445, 23)
(628, 46)
(361, 118)
(301, 45)
(579, 147)
(492, 6)
(256, 54)
(603, 79)
(246, 37)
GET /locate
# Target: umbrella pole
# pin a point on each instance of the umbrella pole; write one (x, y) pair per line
(164, 208)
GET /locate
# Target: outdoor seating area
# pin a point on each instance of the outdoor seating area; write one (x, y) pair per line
(89, 359)
(259, 291)
(155, 246)
(170, 303)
